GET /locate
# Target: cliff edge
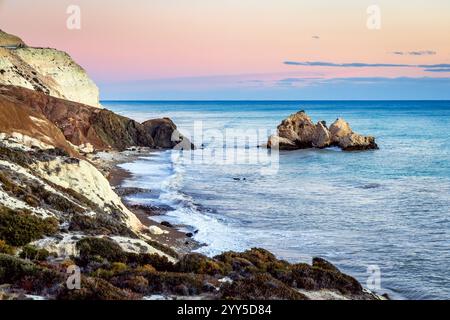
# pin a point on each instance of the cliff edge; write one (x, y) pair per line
(46, 70)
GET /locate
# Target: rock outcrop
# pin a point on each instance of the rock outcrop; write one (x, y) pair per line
(10, 41)
(166, 135)
(46, 70)
(82, 125)
(21, 125)
(299, 132)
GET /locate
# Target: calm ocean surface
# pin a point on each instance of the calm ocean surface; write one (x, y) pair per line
(389, 207)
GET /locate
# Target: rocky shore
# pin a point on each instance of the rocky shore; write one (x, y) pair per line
(57, 210)
(59, 213)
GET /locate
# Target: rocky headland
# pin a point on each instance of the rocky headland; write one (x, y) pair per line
(58, 210)
(298, 131)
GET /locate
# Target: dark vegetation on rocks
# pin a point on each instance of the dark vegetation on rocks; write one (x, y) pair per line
(100, 224)
(110, 273)
(167, 250)
(18, 228)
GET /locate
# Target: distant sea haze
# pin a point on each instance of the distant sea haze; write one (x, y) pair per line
(387, 208)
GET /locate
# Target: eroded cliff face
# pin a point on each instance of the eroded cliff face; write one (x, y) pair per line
(46, 70)
(80, 124)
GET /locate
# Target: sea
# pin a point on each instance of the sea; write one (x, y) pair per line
(382, 216)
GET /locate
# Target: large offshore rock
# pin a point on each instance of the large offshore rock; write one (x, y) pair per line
(299, 132)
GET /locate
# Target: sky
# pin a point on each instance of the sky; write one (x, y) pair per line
(247, 49)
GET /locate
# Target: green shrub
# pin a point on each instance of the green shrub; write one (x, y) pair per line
(254, 261)
(167, 250)
(315, 278)
(259, 287)
(200, 264)
(13, 269)
(174, 283)
(160, 263)
(6, 249)
(93, 248)
(95, 289)
(101, 224)
(32, 253)
(18, 228)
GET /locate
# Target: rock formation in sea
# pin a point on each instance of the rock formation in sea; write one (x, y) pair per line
(299, 132)
(46, 70)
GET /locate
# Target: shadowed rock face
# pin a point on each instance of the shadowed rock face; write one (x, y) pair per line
(166, 135)
(299, 132)
(84, 125)
(27, 126)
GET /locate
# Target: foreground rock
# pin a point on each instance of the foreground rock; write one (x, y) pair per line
(110, 273)
(299, 132)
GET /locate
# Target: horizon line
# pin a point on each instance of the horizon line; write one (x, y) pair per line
(275, 100)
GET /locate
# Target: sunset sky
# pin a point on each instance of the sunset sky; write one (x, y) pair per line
(247, 49)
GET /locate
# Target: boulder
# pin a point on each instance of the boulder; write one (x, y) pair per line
(165, 134)
(322, 136)
(156, 230)
(343, 136)
(298, 128)
(277, 142)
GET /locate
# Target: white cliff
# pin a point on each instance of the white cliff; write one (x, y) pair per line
(47, 70)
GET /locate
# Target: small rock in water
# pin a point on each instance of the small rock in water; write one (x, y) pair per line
(189, 234)
(167, 224)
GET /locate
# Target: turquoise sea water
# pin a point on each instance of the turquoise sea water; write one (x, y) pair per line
(389, 208)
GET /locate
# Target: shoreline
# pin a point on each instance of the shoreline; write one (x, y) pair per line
(175, 238)
(109, 163)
